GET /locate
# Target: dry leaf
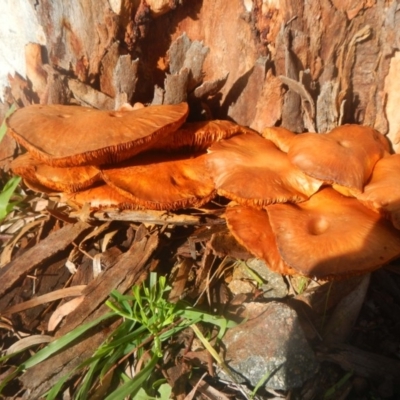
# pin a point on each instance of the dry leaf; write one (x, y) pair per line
(46, 298)
(63, 311)
(27, 342)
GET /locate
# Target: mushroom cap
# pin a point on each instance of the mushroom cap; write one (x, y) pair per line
(37, 187)
(99, 197)
(253, 171)
(331, 235)
(162, 181)
(345, 156)
(251, 228)
(382, 193)
(279, 136)
(198, 136)
(66, 136)
(58, 179)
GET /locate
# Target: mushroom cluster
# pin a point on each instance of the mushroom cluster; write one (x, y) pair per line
(132, 158)
(321, 205)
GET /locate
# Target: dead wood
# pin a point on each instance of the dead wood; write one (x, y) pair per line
(149, 217)
(130, 269)
(36, 256)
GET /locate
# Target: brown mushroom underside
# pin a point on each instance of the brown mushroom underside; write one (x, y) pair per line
(70, 136)
(253, 171)
(198, 136)
(163, 182)
(345, 156)
(57, 179)
(332, 235)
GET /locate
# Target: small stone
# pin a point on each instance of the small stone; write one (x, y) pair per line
(270, 342)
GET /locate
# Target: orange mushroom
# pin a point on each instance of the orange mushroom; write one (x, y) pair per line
(253, 171)
(69, 179)
(345, 156)
(331, 235)
(279, 136)
(99, 197)
(71, 136)
(198, 136)
(382, 193)
(251, 228)
(162, 182)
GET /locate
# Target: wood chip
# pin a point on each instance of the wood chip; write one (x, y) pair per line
(130, 269)
(39, 254)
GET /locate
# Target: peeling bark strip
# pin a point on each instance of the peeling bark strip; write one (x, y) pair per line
(130, 269)
(37, 255)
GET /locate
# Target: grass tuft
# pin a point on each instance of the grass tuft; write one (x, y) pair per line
(148, 320)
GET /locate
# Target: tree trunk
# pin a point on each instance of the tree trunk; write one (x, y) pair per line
(307, 66)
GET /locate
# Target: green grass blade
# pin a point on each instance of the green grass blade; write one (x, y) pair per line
(131, 387)
(62, 342)
(3, 127)
(53, 392)
(5, 196)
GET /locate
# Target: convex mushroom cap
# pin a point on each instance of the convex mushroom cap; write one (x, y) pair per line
(345, 156)
(70, 136)
(253, 171)
(162, 181)
(331, 235)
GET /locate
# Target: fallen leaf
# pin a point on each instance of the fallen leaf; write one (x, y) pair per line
(63, 311)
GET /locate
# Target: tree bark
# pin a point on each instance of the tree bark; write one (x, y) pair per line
(307, 66)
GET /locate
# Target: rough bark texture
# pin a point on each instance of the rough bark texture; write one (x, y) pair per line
(302, 65)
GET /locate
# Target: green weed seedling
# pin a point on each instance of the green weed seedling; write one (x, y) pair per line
(148, 320)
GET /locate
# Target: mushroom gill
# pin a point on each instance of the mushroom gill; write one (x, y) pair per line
(198, 136)
(57, 179)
